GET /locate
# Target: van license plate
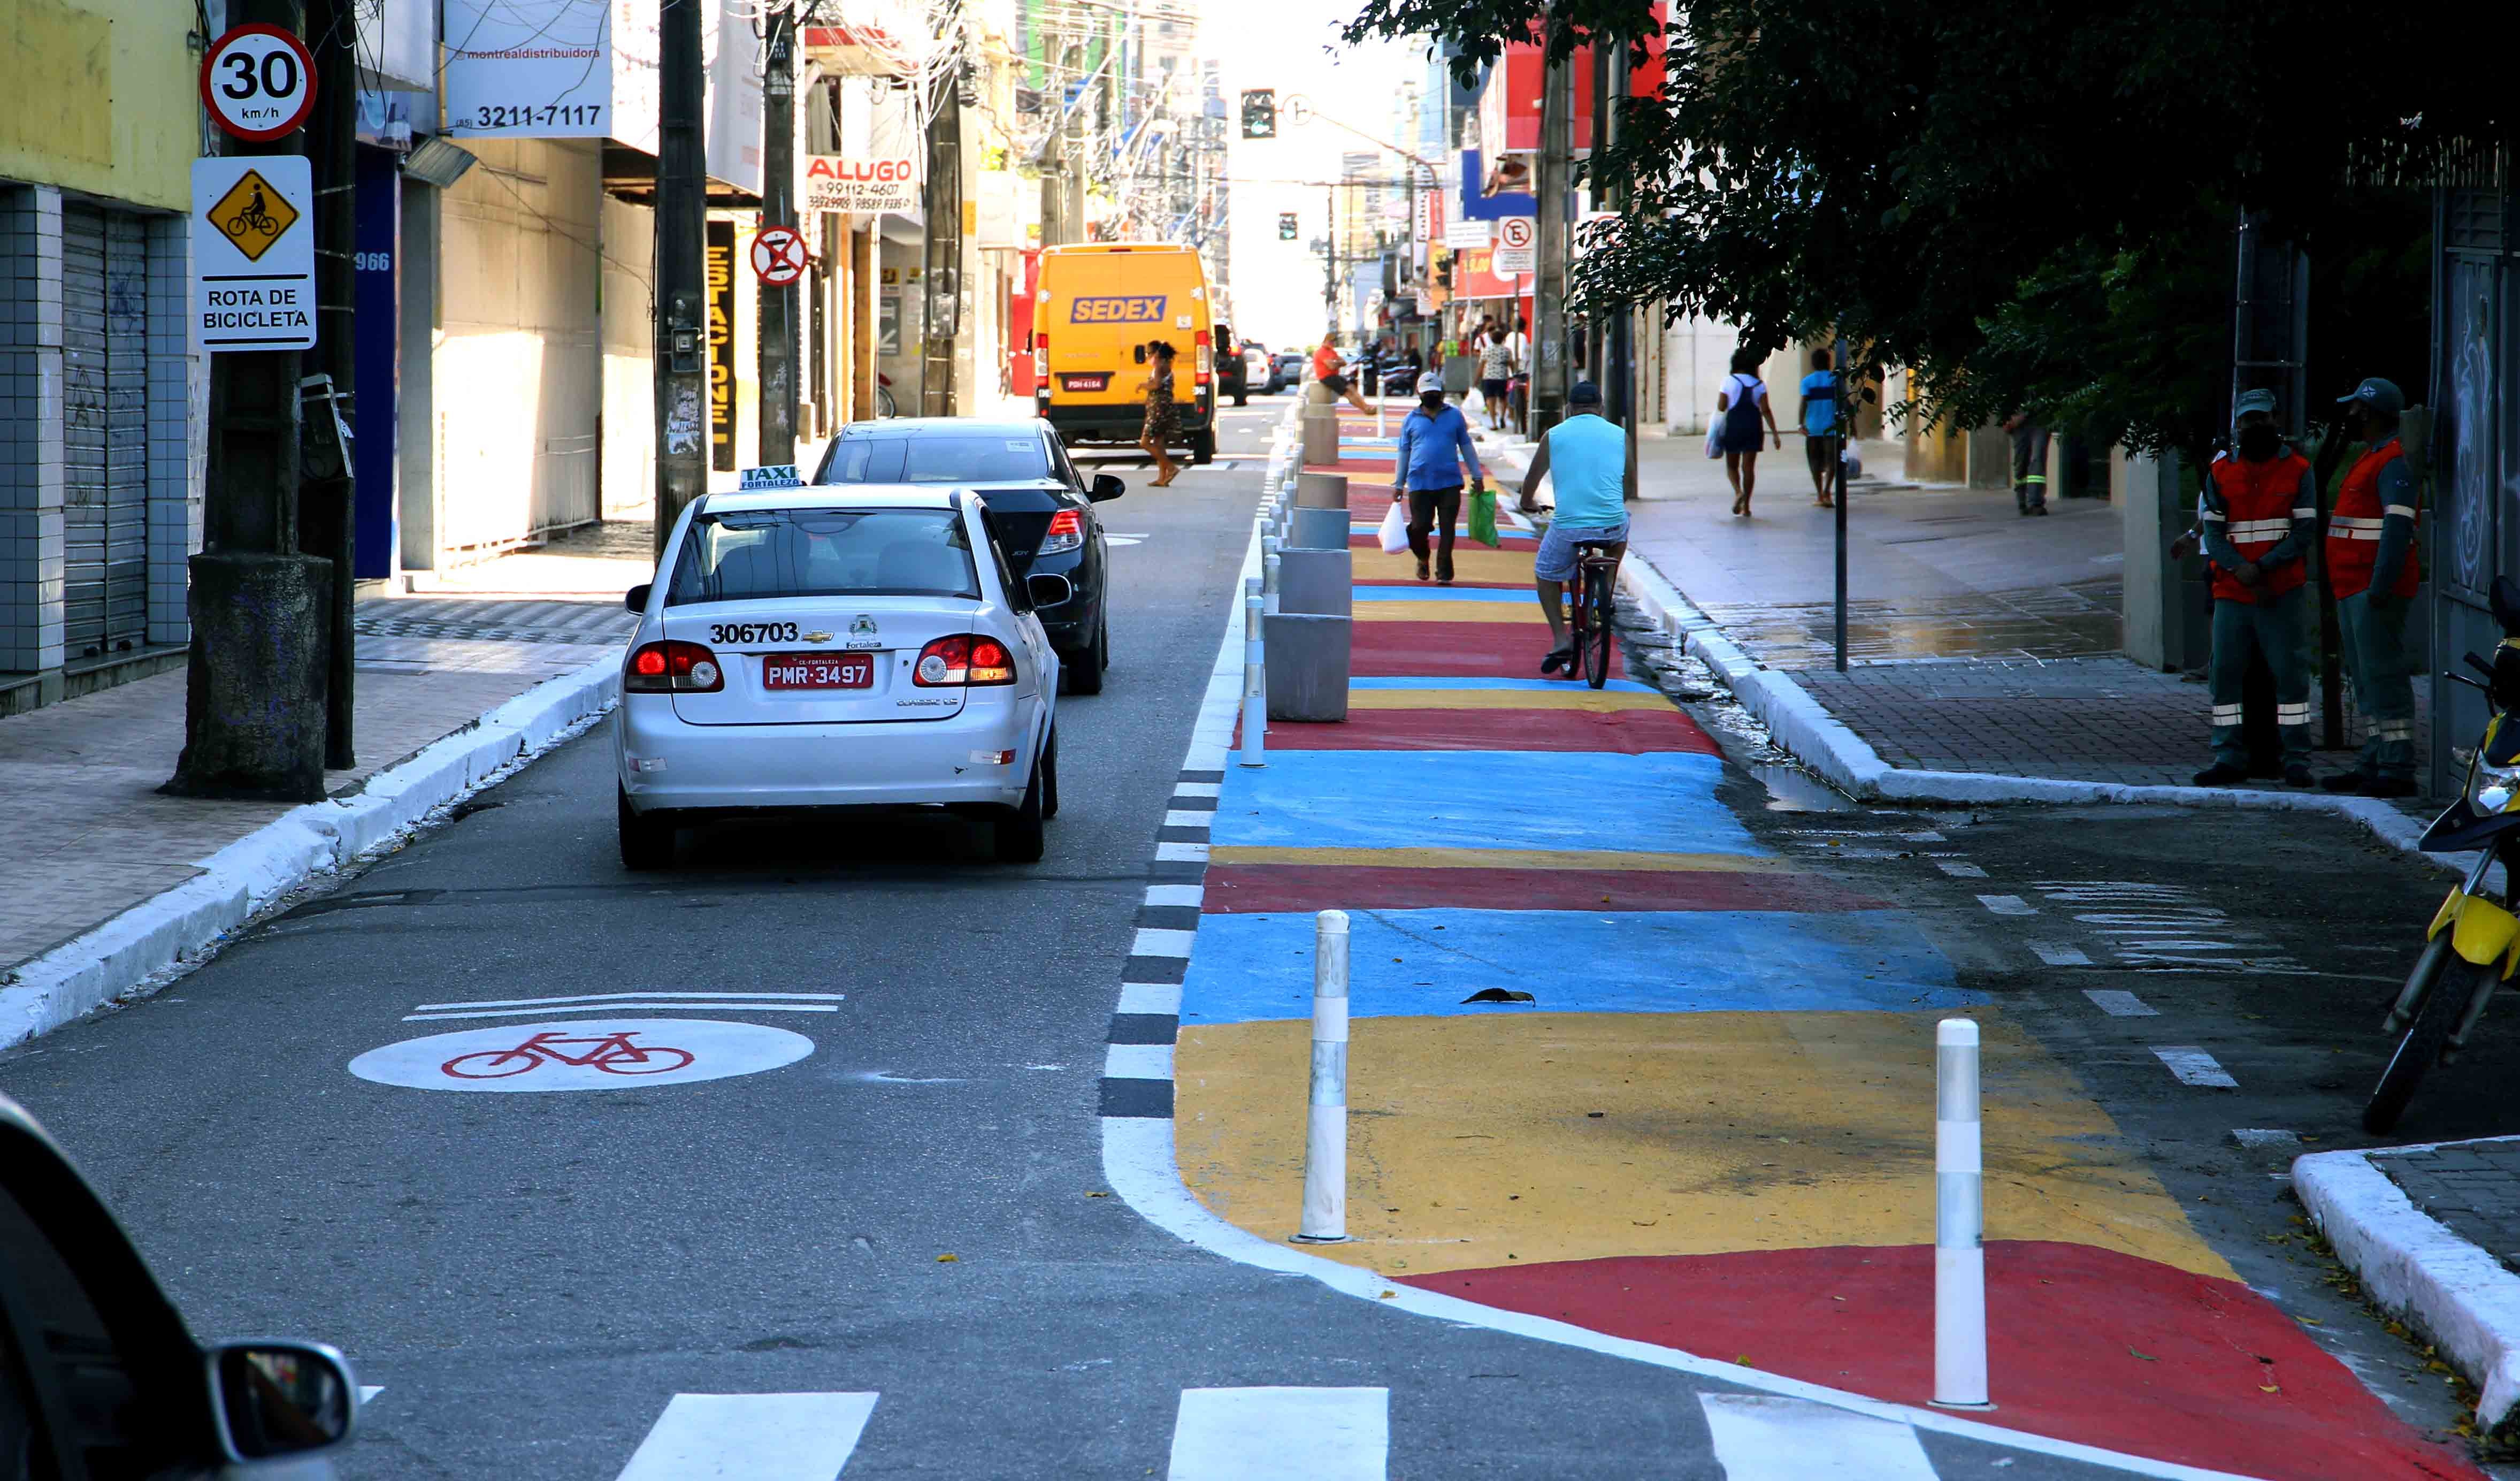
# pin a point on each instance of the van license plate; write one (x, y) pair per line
(1084, 382)
(818, 671)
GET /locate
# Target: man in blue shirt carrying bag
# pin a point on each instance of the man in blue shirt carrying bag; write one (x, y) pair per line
(1592, 465)
(1434, 443)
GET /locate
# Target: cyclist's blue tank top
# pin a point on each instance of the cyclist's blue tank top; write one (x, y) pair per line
(1588, 463)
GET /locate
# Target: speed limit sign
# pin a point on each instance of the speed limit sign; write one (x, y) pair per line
(258, 81)
(777, 256)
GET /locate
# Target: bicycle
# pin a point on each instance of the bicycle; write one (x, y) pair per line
(612, 1054)
(254, 220)
(1592, 617)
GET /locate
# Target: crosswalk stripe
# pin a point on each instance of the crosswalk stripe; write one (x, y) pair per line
(1282, 1434)
(751, 1437)
(1766, 1437)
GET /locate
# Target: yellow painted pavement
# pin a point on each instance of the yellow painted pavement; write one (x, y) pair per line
(1588, 700)
(1474, 1143)
(1471, 563)
(1502, 612)
(1500, 858)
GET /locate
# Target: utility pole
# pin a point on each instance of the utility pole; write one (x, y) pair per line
(1550, 192)
(776, 412)
(1330, 263)
(254, 680)
(682, 216)
(1619, 385)
(331, 506)
(1053, 149)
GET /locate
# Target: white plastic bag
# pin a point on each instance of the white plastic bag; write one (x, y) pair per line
(1715, 436)
(1854, 464)
(1395, 530)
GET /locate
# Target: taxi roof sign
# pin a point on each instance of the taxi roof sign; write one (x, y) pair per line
(771, 475)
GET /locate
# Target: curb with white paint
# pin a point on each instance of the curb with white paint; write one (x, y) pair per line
(128, 954)
(1805, 727)
(1139, 1162)
(2413, 1266)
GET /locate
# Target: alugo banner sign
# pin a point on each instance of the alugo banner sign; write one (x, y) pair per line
(846, 183)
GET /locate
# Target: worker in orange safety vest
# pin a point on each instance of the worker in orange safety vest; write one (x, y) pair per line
(2258, 516)
(2371, 568)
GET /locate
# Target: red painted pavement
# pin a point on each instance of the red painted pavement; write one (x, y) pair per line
(1625, 731)
(1254, 888)
(2082, 1345)
(1452, 649)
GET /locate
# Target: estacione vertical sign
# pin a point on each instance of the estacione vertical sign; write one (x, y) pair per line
(720, 259)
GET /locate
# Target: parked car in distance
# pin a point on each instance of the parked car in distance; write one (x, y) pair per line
(1255, 367)
(1232, 371)
(1021, 472)
(99, 1376)
(1285, 369)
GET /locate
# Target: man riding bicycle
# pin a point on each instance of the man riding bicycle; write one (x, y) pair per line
(1592, 465)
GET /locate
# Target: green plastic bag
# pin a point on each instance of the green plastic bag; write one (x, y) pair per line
(1483, 518)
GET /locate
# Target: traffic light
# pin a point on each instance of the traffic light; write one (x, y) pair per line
(1259, 112)
(1285, 226)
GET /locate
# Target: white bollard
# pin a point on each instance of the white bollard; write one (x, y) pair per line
(1325, 1219)
(1255, 682)
(1269, 585)
(1959, 1222)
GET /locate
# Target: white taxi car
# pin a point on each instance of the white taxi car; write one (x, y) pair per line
(857, 645)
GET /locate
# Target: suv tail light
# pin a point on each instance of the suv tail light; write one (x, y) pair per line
(672, 666)
(1066, 532)
(964, 660)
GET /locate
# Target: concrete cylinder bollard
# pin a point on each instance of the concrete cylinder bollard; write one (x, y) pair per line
(1959, 1222)
(1255, 683)
(1321, 491)
(1324, 1217)
(1321, 530)
(1320, 434)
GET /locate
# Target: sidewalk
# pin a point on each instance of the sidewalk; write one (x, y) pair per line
(93, 840)
(1706, 1134)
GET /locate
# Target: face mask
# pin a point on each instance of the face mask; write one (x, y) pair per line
(2259, 443)
(1434, 401)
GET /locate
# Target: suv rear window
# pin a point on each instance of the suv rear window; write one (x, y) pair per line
(956, 459)
(746, 554)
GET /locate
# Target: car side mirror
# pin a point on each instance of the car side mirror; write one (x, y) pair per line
(280, 1398)
(1049, 588)
(1142, 354)
(636, 600)
(1105, 486)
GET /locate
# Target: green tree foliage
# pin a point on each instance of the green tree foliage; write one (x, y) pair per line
(2029, 207)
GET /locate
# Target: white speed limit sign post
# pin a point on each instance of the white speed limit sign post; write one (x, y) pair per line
(258, 81)
(777, 256)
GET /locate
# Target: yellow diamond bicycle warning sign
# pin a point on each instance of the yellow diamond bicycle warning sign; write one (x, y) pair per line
(253, 214)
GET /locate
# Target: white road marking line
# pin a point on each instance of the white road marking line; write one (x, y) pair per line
(1960, 869)
(1150, 997)
(2060, 955)
(1150, 942)
(684, 1006)
(1198, 789)
(2120, 1004)
(2007, 905)
(1181, 853)
(1138, 1062)
(1178, 819)
(1192, 895)
(760, 1437)
(2194, 1066)
(2267, 1139)
(1282, 1434)
(1764, 1437)
(368, 1391)
(676, 994)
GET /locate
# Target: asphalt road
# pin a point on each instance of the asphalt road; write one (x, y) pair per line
(533, 1278)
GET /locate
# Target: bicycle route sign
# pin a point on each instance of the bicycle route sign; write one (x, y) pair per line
(596, 1054)
(258, 81)
(253, 252)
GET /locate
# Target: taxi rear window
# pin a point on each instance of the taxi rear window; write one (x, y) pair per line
(998, 459)
(746, 554)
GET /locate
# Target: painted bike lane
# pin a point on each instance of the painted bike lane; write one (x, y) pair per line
(1712, 1129)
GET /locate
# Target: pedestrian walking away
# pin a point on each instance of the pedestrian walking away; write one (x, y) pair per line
(2373, 570)
(2030, 463)
(1592, 464)
(1743, 403)
(1433, 446)
(1496, 373)
(2258, 513)
(1163, 416)
(1822, 438)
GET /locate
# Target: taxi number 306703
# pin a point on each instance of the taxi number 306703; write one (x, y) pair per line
(753, 632)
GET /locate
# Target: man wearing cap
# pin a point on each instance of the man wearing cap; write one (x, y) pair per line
(1434, 443)
(2258, 516)
(2371, 568)
(1592, 466)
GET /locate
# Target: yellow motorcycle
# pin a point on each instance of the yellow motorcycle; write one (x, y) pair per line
(2474, 941)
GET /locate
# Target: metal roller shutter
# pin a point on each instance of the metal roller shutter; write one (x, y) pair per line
(105, 430)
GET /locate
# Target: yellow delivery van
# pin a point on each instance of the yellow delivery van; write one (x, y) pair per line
(1098, 305)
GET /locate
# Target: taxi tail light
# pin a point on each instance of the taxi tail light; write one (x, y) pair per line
(1066, 532)
(673, 666)
(964, 660)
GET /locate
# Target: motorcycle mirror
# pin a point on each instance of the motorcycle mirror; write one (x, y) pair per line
(2507, 604)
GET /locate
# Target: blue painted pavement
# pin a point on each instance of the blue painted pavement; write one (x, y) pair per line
(1663, 802)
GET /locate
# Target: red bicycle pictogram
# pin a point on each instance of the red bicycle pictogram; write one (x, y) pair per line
(612, 1054)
